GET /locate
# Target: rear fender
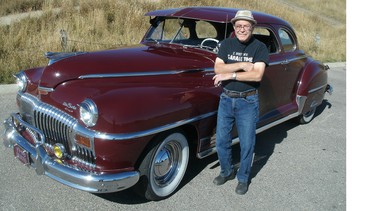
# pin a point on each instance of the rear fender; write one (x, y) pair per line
(313, 85)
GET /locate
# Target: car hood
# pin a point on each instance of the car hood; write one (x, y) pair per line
(140, 60)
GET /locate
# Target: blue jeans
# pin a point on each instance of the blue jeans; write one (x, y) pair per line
(244, 112)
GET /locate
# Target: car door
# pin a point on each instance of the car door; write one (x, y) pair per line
(278, 86)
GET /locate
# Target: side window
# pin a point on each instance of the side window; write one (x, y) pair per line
(205, 30)
(286, 40)
(267, 37)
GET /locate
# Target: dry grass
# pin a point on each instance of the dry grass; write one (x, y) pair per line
(99, 24)
(17, 6)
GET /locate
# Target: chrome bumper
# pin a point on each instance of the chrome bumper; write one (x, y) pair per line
(329, 89)
(44, 164)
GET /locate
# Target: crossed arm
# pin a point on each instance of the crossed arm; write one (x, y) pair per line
(251, 71)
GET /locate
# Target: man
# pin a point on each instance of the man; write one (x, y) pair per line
(239, 68)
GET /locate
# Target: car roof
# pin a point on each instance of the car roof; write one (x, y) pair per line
(214, 14)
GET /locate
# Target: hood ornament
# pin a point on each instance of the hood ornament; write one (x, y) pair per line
(57, 56)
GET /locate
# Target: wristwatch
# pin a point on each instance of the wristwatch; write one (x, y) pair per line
(234, 76)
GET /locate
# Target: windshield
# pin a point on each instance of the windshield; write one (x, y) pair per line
(168, 31)
(187, 32)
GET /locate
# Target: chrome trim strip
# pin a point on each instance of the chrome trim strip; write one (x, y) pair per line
(289, 60)
(266, 127)
(165, 72)
(213, 150)
(127, 136)
(136, 74)
(316, 89)
(301, 100)
(46, 89)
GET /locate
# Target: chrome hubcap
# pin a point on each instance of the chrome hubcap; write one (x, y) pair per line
(167, 163)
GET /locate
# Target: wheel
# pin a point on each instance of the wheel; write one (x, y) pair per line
(307, 117)
(163, 167)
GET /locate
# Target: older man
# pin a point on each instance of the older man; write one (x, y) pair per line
(239, 68)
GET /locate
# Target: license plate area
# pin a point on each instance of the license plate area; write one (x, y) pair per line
(21, 154)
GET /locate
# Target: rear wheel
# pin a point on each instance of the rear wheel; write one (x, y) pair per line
(163, 167)
(308, 116)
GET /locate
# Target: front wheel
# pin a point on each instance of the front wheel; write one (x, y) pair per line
(163, 167)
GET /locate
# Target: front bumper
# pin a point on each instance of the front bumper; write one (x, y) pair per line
(44, 164)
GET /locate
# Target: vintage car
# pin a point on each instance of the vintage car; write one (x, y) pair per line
(128, 117)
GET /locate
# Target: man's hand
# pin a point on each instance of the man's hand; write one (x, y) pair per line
(221, 77)
(247, 66)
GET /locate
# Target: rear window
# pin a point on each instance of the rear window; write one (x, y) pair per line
(287, 40)
(267, 37)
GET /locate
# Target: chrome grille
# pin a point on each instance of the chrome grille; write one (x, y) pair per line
(84, 154)
(57, 127)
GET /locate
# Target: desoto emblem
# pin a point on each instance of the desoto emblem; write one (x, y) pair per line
(69, 107)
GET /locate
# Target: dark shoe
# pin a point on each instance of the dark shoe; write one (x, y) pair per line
(219, 180)
(241, 188)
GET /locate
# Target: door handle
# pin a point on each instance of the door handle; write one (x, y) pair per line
(286, 61)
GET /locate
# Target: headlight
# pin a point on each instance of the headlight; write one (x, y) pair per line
(21, 81)
(88, 112)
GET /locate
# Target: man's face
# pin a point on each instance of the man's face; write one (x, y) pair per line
(243, 30)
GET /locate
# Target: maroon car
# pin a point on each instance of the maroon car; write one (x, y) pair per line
(109, 120)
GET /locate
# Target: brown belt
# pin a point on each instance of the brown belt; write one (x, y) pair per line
(235, 94)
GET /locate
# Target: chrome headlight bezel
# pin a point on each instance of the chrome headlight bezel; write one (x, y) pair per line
(21, 81)
(88, 112)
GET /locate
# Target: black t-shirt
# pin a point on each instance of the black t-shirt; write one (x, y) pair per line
(232, 50)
